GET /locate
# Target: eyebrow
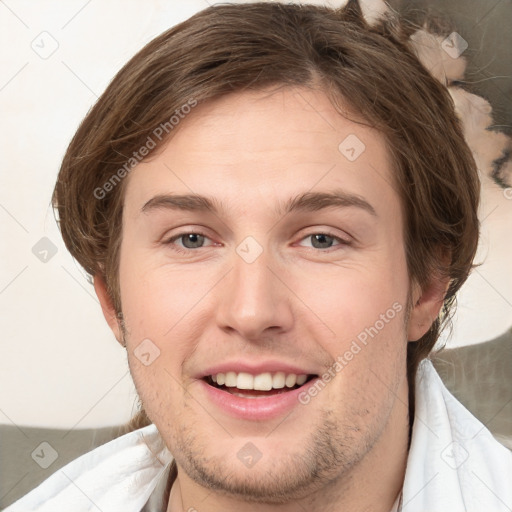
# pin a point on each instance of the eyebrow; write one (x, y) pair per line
(306, 202)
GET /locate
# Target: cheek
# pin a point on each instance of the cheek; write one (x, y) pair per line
(361, 304)
(162, 330)
(369, 362)
(157, 388)
(153, 299)
(366, 312)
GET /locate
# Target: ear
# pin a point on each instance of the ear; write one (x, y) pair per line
(427, 304)
(107, 307)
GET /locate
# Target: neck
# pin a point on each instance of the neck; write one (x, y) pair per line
(373, 484)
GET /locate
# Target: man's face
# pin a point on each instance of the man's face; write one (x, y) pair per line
(315, 291)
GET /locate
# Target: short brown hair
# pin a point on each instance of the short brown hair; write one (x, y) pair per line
(227, 48)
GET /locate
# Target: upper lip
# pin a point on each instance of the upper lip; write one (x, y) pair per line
(271, 366)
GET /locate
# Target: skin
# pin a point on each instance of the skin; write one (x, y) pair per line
(299, 302)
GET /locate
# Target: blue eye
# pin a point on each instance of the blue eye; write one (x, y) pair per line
(193, 240)
(190, 237)
(321, 238)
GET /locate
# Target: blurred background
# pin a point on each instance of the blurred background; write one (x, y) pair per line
(65, 378)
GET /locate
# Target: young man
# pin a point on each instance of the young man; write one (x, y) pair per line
(278, 207)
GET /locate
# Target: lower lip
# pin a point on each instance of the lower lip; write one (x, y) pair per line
(259, 408)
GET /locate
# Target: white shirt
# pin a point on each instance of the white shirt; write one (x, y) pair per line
(454, 465)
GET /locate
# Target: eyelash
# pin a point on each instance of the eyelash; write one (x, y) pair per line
(179, 250)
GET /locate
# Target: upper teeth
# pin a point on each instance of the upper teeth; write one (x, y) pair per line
(262, 382)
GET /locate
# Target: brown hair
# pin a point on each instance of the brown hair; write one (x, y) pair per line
(227, 48)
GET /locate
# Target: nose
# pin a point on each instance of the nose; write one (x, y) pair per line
(254, 299)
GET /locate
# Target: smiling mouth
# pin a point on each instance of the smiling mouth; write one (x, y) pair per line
(280, 384)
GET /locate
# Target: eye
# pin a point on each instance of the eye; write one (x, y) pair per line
(191, 241)
(195, 240)
(324, 240)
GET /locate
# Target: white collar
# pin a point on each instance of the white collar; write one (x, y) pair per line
(454, 464)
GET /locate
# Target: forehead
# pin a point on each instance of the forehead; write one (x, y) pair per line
(260, 150)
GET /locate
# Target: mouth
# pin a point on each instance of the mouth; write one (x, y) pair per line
(246, 385)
